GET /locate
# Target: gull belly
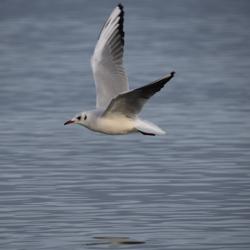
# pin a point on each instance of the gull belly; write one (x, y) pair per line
(114, 125)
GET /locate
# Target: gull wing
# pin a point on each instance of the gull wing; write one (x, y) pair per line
(130, 103)
(107, 60)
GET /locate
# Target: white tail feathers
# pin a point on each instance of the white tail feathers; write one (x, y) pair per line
(148, 128)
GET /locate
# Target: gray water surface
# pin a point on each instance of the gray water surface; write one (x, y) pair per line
(62, 186)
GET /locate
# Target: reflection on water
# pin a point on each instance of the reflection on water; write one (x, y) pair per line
(61, 186)
(110, 240)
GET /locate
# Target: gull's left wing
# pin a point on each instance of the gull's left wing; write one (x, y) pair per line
(130, 103)
(107, 60)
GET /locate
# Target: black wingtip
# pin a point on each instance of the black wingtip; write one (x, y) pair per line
(120, 6)
(121, 21)
(172, 73)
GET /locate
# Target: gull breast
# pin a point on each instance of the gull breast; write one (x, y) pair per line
(115, 125)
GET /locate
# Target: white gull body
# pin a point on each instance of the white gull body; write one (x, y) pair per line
(117, 107)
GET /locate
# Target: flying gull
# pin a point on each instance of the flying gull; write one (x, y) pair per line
(117, 107)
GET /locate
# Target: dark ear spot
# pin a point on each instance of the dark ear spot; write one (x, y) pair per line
(85, 117)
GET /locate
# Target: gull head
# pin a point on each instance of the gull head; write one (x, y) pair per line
(81, 119)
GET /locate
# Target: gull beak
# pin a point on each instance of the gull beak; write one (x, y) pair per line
(69, 122)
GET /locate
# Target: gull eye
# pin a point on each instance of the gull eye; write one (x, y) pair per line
(85, 117)
(78, 117)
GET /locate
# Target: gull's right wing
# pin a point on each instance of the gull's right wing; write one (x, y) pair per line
(107, 60)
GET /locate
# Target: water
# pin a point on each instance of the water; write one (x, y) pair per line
(62, 186)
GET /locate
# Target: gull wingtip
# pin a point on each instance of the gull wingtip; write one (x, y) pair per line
(120, 6)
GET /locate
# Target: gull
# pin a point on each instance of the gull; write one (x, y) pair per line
(117, 107)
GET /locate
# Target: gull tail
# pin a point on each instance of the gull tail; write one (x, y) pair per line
(148, 128)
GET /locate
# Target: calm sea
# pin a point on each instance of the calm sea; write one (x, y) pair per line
(62, 186)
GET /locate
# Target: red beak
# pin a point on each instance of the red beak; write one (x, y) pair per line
(68, 122)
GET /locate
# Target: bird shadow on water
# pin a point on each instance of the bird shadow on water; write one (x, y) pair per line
(113, 241)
